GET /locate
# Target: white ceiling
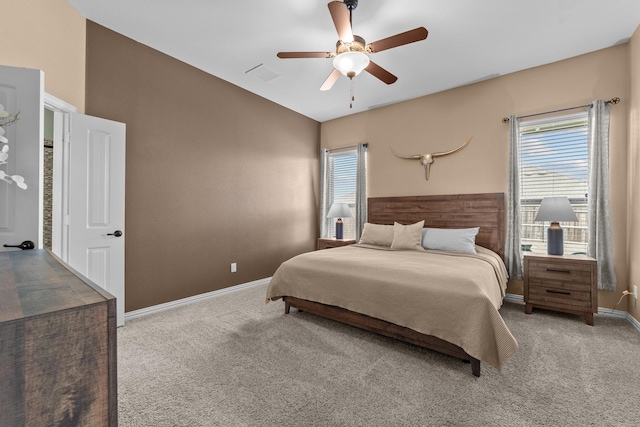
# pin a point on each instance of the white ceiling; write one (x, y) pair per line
(469, 40)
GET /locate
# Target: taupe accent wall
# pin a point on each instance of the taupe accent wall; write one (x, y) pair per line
(214, 174)
(442, 121)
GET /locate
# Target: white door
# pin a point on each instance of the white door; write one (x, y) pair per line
(96, 203)
(22, 90)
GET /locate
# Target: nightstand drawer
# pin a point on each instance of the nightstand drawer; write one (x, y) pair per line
(560, 285)
(545, 293)
(565, 272)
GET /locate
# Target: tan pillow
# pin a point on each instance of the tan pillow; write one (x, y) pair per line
(407, 236)
(377, 234)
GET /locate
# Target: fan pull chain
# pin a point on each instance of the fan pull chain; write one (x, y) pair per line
(353, 97)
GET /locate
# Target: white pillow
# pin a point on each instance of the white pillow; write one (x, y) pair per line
(407, 236)
(377, 234)
(450, 239)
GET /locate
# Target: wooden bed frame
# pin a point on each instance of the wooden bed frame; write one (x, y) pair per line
(449, 211)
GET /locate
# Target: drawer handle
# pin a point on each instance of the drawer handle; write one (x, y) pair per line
(554, 270)
(551, 291)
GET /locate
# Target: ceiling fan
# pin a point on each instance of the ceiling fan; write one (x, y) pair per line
(350, 57)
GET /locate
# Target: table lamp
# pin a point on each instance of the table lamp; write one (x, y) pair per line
(555, 209)
(339, 210)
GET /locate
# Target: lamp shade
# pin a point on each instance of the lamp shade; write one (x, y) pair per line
(351, 63)
(339, 210)
(556, 209)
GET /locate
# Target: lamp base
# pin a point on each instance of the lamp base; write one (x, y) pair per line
(339, 229)
(555, 239)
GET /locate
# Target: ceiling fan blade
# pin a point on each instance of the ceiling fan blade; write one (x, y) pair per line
(290, 55)
(328, 84)
(377, 71)
(407, 37)
(342, 21)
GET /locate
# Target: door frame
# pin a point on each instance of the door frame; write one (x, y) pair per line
(60, 203)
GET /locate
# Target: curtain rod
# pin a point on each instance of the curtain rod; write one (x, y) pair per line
(351, 147)
(611, 101)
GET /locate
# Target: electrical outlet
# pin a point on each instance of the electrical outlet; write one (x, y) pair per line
(234, 267)
(635, 292)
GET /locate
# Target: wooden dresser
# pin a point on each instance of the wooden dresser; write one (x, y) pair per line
(57, 345)
(561, 283)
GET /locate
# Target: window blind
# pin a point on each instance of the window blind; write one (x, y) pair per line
(342, 188)
(554, 159)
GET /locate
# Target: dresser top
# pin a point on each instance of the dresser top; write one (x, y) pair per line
(34, 282)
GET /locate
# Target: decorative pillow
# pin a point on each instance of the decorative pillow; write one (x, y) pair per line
(407, 236)
(450, 239)
(377, 234)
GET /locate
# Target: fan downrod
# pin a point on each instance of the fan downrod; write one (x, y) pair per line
(351, 4)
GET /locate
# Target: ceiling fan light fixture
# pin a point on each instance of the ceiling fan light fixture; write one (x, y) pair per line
(351, 63)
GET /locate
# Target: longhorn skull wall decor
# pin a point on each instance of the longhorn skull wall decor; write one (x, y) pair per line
(427, 159)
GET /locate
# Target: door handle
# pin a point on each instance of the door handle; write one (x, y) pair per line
(116, 233)
(26, 245)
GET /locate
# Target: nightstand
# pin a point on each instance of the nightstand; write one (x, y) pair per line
(561, 283)
(332, 242)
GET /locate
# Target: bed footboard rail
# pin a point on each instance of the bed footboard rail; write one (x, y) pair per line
(382, 327)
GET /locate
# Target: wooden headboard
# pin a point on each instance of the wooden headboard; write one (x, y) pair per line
(484, 210)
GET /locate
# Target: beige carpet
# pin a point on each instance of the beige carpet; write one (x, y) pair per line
(234, 361)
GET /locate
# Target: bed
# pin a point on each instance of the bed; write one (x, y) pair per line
(443, 301)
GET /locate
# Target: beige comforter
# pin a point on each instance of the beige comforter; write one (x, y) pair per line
(452, 296)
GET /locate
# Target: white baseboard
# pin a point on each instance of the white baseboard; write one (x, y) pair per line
(633, 321)
(184, 301)
(514, 298)
(612, 313)
(602, 311)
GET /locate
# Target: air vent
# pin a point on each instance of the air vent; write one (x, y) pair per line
(263, 73)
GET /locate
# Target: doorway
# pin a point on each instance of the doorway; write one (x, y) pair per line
(56, 126)
(47, 186)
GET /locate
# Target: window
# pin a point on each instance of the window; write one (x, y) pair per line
(554, 161)
(341, 188)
